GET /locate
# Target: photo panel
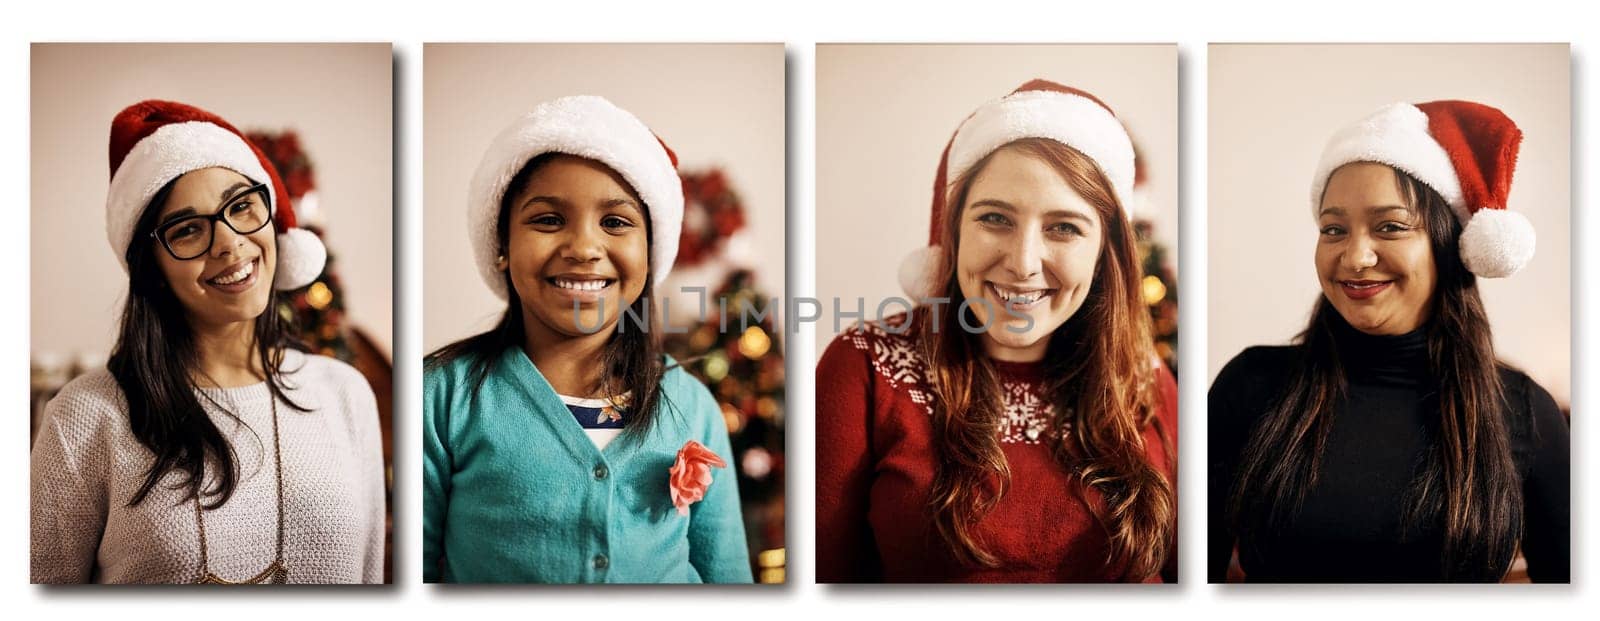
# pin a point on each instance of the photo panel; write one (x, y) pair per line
(997, 233)
(212, 321)
(1390, 338)
(604, 242)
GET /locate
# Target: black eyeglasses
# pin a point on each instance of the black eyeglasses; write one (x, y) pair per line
(190, 237)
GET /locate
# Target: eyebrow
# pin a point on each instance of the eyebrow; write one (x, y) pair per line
(1340, 211)
(561, 202)
(1057, 213)
(226, 194)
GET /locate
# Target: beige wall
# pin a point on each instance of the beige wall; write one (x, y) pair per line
(885, 112)
(715, 105)
(337, 97)
(1272, 107)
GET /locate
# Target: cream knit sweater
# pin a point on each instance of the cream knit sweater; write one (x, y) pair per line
(87, 466)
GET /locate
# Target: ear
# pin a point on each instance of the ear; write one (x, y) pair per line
(501, 263)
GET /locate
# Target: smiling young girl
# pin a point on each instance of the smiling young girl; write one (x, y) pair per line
(562, 445)
(210, 449)
(1020, 430)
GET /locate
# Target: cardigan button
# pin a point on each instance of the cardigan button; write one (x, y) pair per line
(601, 472)
(601, 562)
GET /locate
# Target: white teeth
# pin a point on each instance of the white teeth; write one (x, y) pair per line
(238, 275)
(581, 285)
(1018, 297)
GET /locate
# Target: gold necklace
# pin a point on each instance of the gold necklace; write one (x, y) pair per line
(277, 572)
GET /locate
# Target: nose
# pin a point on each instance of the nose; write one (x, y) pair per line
(583, 245)
(1361, 253)
(1024, 261)
(224, 241)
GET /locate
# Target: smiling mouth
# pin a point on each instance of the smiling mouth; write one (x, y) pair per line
(237, 278)
(1363, 289)
(581, 284)
(1019, 299)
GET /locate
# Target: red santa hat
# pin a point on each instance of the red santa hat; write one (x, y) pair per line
(1037, 109)
(589, 127)
(153, 142)
(1466, 152)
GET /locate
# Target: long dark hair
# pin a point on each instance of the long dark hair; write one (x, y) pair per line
(1102, 389)
(631, 359)
(1467, 484)
(154, 362)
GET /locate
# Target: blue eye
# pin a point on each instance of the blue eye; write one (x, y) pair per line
(1067, 228)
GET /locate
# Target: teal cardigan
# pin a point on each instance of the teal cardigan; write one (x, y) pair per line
(514, 491)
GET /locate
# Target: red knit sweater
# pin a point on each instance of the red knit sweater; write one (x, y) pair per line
(875, 464)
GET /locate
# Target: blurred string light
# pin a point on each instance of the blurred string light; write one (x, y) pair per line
(716, 366)
(1154, 290)
(754, 343)
(319, 296)
(772, 563)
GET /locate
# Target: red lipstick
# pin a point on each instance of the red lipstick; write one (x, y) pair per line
(1364, 289)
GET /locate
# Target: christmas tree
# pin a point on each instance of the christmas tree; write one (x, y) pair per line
(739, 358)
(316, 310)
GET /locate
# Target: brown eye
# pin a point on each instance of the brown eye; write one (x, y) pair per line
(183, 231)
(994, 219)
(548, 219)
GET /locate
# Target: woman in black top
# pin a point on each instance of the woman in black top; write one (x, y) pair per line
(1388, 444)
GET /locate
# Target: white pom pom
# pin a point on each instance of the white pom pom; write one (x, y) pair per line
(920, 271)
(1497, 243)
(301, 256)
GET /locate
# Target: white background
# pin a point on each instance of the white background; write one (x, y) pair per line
(800, 25)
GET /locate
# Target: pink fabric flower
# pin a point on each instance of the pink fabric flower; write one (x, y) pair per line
(690, 474)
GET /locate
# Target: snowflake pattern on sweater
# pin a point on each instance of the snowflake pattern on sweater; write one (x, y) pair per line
(897, 357)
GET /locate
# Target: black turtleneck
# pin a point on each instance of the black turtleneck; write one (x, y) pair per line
(1350, 528)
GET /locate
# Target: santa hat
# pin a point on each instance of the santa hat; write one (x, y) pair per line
(153, 142)
(1466, 152)
(589, 127)
(1037, 109)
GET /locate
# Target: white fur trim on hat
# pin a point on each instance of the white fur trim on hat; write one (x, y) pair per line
(589, 127)
(1073, 120)
(1497, 243)
(1396, 135)
(164, 155)
(301, 257)
(920, 272)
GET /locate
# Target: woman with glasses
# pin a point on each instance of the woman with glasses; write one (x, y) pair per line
(212, 448)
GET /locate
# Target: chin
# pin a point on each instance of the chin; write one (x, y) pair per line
(587, 322)
(1365, 323)
(220, 317)
(999, 335)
